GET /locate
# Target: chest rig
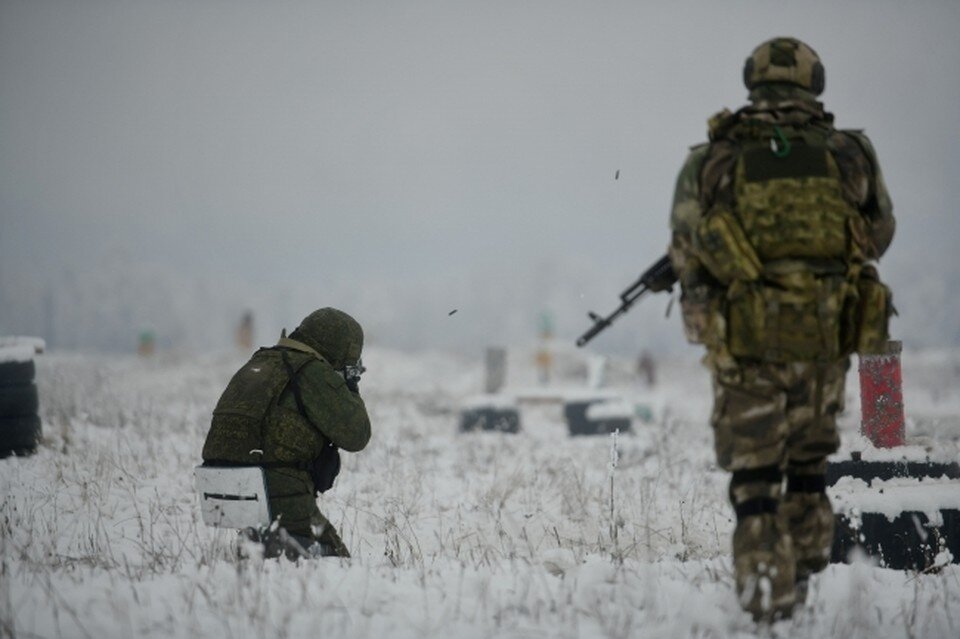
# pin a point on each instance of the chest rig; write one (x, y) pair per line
(780, 236)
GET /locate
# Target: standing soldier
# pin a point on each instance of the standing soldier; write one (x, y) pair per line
(776, 223)
(289, 410)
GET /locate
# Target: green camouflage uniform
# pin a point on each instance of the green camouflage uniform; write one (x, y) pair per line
(258, 422)
(779, 308)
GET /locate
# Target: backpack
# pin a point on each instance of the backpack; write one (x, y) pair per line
(237, 429)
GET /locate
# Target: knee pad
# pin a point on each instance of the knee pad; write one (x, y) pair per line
(756, 506)
(755, 491)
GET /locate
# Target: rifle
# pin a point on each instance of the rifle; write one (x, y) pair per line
(659, 277)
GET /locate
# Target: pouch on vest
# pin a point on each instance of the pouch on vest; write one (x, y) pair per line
(723, 247)
(232, 497)
(325, 468)
(874, 308)
(786, 325)
(701, 308)
(792, 207)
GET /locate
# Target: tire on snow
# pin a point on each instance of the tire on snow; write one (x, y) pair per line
(19, 435)
(17, 372)
(18, 400)
(505, 420)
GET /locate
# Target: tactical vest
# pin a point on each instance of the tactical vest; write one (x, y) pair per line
(247, 415)
(780, 236)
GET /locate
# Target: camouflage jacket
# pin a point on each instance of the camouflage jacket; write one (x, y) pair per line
(258, 421)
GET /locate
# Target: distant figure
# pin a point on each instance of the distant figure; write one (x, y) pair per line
(647, 369)
(245, 332)
(776, 223)
(289, 410)
(544, 356)
(544, 361)
(146, 344)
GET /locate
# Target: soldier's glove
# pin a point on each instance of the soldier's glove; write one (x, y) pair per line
(325, 468)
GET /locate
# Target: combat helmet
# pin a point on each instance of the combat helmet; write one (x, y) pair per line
(333, 334)
(785, 60)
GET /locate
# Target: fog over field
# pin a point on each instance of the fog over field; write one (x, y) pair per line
(167, 165)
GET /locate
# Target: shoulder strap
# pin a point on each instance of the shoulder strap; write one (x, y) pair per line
(716, 174)
(294, 345)
(866, 147)
(295, 388)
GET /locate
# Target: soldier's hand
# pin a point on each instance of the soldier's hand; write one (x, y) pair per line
(351, 375)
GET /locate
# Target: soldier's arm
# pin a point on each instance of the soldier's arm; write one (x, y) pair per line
(875, 205)
(684, 217)
(339, 413)
(699, 289)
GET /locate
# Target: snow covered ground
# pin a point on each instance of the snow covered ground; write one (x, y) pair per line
(477, 535)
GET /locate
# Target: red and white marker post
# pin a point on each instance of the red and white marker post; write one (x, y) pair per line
(881, 397)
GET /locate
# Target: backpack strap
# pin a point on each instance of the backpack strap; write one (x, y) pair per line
(295, 387)
(325, 468)
(295, 345)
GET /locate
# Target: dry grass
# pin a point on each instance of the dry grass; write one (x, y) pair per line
(535, 534)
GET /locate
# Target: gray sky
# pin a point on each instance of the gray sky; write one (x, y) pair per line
(168, 164)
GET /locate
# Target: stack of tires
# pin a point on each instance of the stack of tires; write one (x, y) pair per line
(599, 415)
(905, 513)
(19, 422)
(491, 413)
(891, 500)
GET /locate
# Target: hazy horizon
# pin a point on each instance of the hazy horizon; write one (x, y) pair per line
(167, 165)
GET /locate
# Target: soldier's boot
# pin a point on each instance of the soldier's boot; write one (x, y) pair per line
(294, 546)
(763, 558)
(281, 542)
(255, 538)
(270, 541)
(325, 534)
(806, 512)
(764, 567)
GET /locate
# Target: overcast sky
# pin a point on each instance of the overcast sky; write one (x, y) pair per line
(404, 159)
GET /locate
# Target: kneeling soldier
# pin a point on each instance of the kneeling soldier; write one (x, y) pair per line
(289, 410)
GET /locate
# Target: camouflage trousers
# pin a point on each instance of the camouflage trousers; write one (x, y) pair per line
(292, 500)
(774, 426)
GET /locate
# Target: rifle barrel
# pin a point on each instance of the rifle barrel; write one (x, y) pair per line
(594, 330)
(659, 277)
